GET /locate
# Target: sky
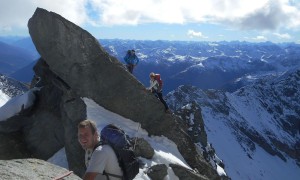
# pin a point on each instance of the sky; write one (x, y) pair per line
(183, 20)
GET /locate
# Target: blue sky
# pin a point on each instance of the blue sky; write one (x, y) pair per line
(188, 20)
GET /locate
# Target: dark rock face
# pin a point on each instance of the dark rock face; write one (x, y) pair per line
(31, 169)
(73, 65)
(186, 174)
(143, 148)
(192, 117)
(13, 146)
(79, 61)
(158, 172)
(59, 105)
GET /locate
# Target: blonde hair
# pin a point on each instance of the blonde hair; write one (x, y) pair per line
(152, 74)
(88, 123)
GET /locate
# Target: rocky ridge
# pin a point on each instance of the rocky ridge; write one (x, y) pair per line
(74, 65)
(263, 115)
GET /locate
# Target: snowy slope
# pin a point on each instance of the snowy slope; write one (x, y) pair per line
(166, 151)
(3, 98)
(254, 130)
(10, 88)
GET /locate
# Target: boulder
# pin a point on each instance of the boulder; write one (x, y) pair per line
(157, 172)
(143, 148)
(33, 169)
(186, 174)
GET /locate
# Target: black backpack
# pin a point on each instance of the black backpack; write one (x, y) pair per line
(119, 141)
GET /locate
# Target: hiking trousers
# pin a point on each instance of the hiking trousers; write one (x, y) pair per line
(130, 67)
(159, 95)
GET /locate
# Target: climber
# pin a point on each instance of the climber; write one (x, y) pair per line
(131, 60)
(156, 88)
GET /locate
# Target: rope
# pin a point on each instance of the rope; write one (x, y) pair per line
(136, 136)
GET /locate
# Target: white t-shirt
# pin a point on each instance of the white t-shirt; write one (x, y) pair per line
(103, 159)
(153, 84)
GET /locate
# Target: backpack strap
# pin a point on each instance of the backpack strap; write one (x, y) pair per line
(113, 175)
(97, 145)
(105, 173)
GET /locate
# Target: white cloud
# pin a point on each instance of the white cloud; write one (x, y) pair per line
(245, 14)
(283, 36)
(5, 28)
(16, 13)
(260, 38)
(194, 34)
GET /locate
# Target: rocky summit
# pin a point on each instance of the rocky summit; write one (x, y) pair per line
(73, 65)
(32, 169)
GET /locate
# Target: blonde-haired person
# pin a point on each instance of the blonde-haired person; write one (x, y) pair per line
(100, 160)
(156, 88)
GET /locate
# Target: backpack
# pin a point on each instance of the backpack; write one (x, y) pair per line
(119, 141)
(158, 79)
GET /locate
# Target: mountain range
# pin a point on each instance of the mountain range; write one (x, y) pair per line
(207, 65)
(16, 56)
(239, 101)
(224, 65)
(254, 130)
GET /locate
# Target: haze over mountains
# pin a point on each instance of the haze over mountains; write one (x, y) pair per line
(216, 65)
(207, 65)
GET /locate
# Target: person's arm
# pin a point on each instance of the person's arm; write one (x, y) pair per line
(137, 60)
(126, 58)
(97, 164)
(152, 84)
(90, 176)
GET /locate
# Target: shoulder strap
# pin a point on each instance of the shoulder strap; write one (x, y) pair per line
(97, 145)
(113, 175)
(105, 173)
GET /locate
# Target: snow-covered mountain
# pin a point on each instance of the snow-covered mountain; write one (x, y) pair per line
(217, 65)
(255, 130)
(207, 65)
(10, 88)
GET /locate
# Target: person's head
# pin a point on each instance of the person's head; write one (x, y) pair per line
(88, 135)
(152, 75)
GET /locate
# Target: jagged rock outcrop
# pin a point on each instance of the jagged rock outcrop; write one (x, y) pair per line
(74, 65)
(158, 172)
(192, 118)
(143, 148)
(31, 169)
(81, 68)
(264, 115)
(186, 174)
